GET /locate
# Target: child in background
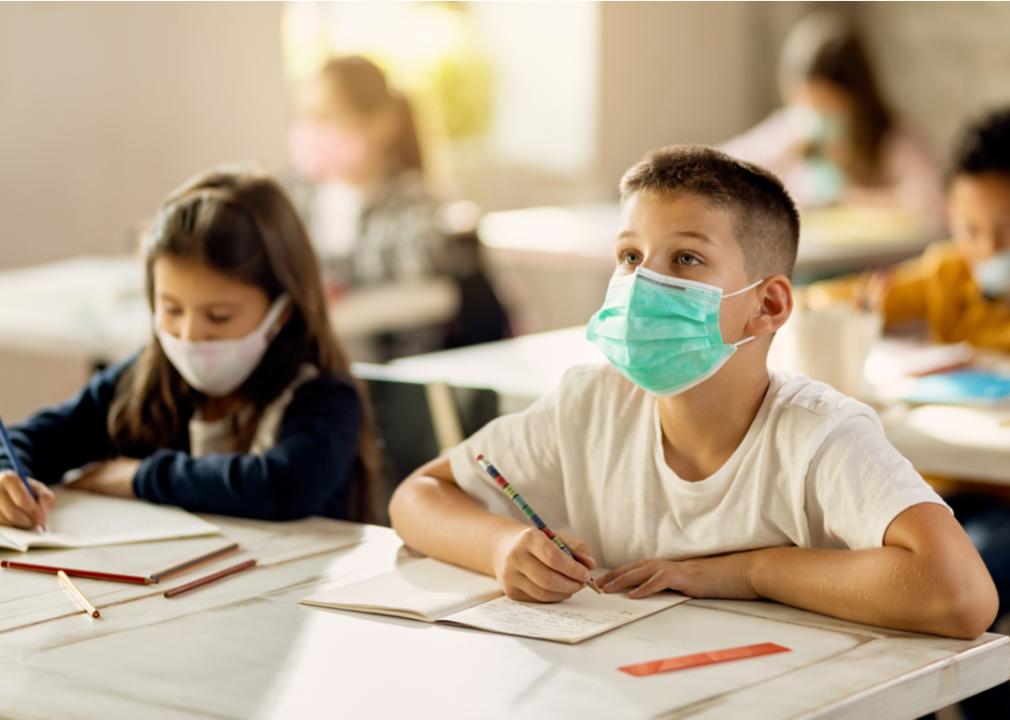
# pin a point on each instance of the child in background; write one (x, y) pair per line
(837, 142)
(959, 289)
(241, 404)
(369, 212)
(687, 465)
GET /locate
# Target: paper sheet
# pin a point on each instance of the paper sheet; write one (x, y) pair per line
(435, 591)
(582, 616)
(424, 589)
(82, 519)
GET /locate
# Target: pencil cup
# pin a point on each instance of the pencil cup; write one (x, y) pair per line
(829, 344)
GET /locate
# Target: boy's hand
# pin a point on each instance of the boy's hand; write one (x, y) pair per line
(112, 477)
(720, 576)
(17, 508)
(530, 567)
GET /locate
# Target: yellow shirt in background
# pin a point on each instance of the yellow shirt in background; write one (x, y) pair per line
(937, 287)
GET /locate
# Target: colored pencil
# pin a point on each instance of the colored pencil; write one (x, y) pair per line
(194, 563)
(77, 595)
(528, 511)
(19, 469)
(199, 583)
(74, 572)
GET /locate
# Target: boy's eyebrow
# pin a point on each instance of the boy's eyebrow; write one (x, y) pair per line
(697, 234)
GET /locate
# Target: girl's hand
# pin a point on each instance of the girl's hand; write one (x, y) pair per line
(530, 567)
(112, 477)
(720, 576)
(17, 508)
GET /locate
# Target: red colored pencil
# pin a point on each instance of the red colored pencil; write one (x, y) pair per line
(90, 574)
(194, 563)
(210, 578)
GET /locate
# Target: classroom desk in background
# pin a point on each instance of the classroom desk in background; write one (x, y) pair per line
(245, 648)
(559, 259)
(95, 307)
(961, 442)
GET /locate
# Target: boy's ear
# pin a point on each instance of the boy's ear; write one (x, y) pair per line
(776, 294)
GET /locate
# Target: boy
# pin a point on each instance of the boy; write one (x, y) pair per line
(688, 466)
(960, 289)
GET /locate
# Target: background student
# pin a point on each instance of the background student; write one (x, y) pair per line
(959, 290)
(369, 210)
(242, 403)
(837, 140)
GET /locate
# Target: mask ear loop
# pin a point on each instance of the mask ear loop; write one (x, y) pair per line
(271, 328)
(746, 340)
(741, 291)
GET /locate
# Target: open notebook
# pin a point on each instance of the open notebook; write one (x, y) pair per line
(433, 591)
(82, 519)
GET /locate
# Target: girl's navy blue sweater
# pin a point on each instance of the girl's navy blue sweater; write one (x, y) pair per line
(307, 472)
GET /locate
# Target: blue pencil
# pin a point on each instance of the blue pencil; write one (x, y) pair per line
(15, 462)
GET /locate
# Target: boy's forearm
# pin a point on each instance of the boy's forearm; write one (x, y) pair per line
(888, 586)
(438, 519)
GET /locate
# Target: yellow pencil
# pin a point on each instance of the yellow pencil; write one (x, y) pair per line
(77, 595)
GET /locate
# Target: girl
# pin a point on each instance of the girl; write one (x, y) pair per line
(837, 141)
(241, 404)
(368, 208)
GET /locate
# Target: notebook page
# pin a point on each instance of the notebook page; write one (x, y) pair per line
(424, 589)
(582, 616)
(83, 519)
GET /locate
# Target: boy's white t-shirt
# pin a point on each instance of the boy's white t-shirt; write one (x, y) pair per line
(813, 470)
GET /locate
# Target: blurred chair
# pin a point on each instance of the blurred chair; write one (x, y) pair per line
(481, 316)
(416, 422)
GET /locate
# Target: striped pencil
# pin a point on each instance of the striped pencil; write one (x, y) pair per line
(529, 511)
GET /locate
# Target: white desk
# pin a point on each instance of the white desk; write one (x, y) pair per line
(972, 443)
(244, 648)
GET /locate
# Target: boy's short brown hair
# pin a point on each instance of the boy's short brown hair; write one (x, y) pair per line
(767, 224)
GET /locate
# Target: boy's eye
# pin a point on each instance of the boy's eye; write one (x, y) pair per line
(630, 257)
(686, 259)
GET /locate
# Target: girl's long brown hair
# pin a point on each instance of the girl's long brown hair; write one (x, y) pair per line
(241, 224)
(825, 47)
(363, 86)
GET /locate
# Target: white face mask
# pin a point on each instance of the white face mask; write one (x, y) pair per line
(218, 367)
(993, 276)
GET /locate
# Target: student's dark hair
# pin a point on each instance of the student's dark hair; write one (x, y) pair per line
(767, 225)
(241, 224)
(983, 145)
(364, 87)
(825, 47)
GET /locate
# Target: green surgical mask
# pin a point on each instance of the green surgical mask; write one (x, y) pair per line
(662, 332)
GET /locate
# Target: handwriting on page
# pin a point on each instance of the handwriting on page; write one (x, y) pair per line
(584, 615)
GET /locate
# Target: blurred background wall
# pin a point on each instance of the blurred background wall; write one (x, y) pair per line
(106, 107)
